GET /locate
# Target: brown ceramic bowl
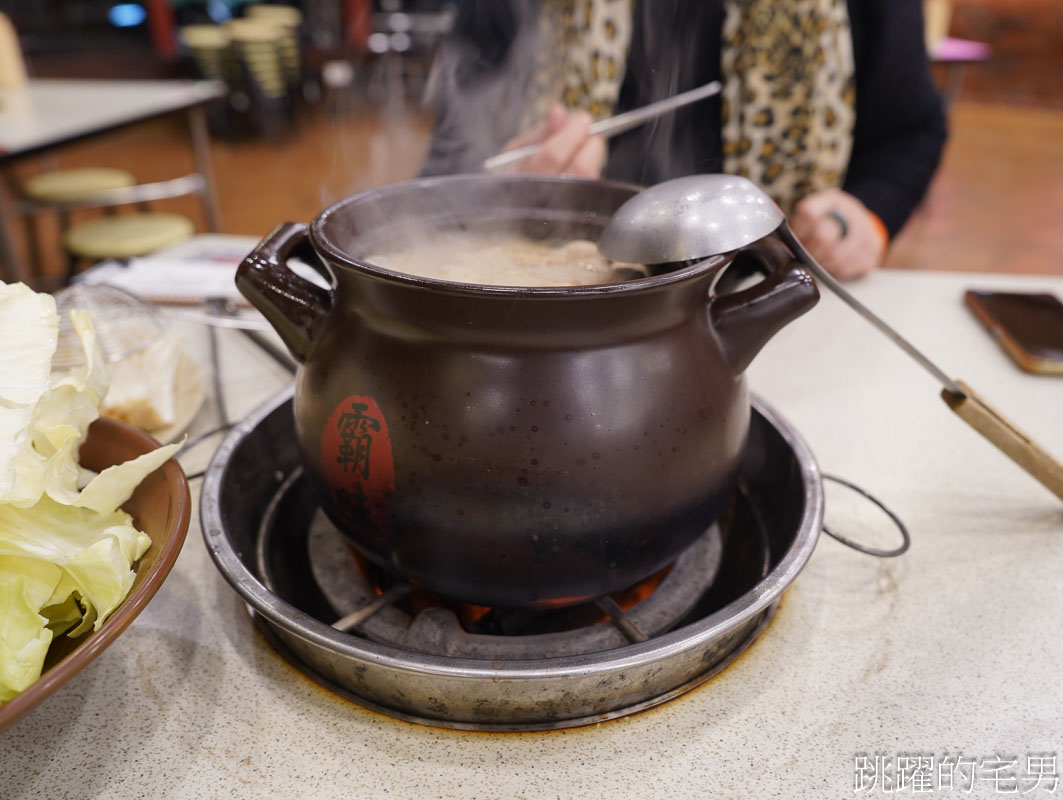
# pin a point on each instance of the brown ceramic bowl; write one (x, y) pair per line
(161, 507)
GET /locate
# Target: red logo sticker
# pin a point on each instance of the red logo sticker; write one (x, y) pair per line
(357, 463)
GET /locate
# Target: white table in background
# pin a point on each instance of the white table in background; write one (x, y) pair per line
(49, 113)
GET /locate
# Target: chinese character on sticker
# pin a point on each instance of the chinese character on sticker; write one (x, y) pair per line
(356, 435)
(1000, 772)
(1041, 769)
(352, 503)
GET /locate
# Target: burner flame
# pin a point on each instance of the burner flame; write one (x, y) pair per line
(569, 614)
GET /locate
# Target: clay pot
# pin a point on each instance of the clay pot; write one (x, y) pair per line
(505, 445)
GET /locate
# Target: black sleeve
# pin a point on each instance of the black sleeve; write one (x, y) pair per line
(900, 117)
(467, 128)
(488, 25)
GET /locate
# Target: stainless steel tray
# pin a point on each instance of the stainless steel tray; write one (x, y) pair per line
(777, 518)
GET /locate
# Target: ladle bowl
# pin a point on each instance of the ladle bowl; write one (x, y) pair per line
(704, 215)
(689, 218)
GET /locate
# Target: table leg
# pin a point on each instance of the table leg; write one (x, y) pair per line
(12, 267)
(201, 147)
(955, 81)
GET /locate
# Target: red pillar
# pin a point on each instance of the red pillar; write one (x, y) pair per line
(161, 23)
(357, 22)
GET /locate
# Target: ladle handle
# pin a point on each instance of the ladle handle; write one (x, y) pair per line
(1015, 444)
(294, 306)
(822, 276)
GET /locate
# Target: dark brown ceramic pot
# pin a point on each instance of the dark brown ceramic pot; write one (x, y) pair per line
(505, 445)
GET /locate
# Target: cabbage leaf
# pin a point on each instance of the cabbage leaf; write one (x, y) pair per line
(112, 487)
(25, 586)
(60, 423)
(67, 550)
(29, 331)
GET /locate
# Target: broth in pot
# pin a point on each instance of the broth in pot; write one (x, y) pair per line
(507, 261)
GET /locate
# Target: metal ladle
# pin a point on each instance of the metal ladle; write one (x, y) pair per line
(704, 215)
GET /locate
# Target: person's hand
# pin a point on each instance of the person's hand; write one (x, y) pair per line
(836, 228)
(567, 148)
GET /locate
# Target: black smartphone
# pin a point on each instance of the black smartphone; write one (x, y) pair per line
(1028, 326)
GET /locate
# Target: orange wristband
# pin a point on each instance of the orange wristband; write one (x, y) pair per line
(880, 228)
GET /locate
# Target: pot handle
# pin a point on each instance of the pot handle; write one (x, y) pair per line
(294, 306)
(744, 321)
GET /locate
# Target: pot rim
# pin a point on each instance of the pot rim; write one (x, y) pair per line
(334, 256)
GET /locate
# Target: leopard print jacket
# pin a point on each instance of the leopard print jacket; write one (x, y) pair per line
(789, 96)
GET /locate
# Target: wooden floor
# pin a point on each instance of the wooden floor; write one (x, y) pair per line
(995, 206)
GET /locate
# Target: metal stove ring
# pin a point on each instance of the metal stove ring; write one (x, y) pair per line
(523, 694)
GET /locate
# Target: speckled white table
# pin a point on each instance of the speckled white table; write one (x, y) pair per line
(952, 649)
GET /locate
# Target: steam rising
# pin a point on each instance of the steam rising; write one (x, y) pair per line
(670, 53)
(370, 144)
(477, 91)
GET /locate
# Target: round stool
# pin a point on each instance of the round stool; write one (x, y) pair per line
(258, 44)
(209, 46)
(126, 236)
(285, 15)
(290, 19)
(71, 185)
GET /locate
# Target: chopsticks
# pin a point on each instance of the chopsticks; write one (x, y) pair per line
(613, 125)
